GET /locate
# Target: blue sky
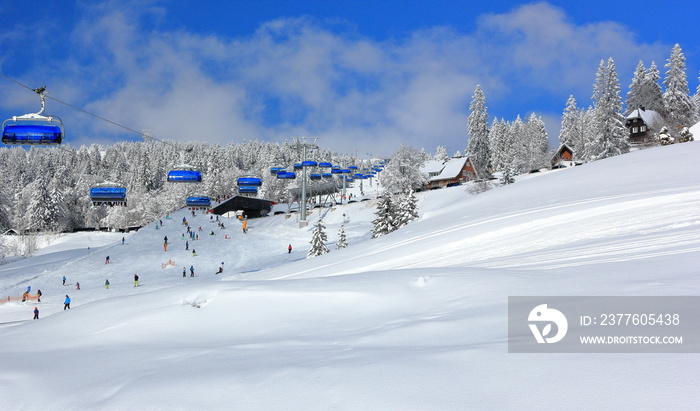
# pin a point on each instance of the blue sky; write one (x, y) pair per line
(362, 76)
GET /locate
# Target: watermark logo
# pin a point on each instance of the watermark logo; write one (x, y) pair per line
(542, 314)
(603, 324)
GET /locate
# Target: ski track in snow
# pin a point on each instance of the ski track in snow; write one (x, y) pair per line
(508, 239)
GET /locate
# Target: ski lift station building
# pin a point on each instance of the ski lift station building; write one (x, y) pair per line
(251, 207)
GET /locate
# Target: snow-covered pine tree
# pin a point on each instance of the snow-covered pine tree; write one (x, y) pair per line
(318, 238)
(610, 135)
(4, 216)
(424, 156)
(36, 203)
(56, 210)
(664, 137)
(685, 135)
(342, 238)
(384, 222)
(680, 110)
(117, 217)
(517, 146)
(635, 92)
(508, 176)
(498, 144)
(478, 130)
(441, 154)
(407, 210)
(589, 131)
(537, 143)
(402, 172)
(651, 95)
(572, 128)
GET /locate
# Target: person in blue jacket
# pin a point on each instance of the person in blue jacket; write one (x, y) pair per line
(66, 303)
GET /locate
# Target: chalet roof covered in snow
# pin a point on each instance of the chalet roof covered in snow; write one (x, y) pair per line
(648, 116)
(432, 167)
(446, 170)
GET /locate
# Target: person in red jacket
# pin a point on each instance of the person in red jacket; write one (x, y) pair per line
(289, 249)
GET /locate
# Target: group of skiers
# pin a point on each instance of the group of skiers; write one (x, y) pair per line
(184, 270)
(25, 295)
(193, 236)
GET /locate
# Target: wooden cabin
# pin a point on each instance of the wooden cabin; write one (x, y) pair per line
(454, 171)
(563, 155)
(641, 124)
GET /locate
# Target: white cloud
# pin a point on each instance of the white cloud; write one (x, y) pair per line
(295, 76)
(540, 42)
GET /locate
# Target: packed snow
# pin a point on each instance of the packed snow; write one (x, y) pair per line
(416, 319)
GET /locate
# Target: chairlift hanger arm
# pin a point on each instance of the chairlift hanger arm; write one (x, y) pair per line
(43, 94)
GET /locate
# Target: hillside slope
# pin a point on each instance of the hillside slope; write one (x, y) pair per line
(416, 319)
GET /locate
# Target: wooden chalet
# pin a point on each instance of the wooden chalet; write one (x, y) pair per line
(454, 171)
(563, 155)
(641, 124)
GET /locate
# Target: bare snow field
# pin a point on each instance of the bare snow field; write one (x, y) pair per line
(414, 320)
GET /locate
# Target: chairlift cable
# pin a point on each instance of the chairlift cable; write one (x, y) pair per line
(143, 135)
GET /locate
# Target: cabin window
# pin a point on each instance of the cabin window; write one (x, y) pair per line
(642, 128)
(635, 129)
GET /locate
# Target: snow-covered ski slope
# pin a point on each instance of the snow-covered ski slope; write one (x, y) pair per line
(416, 319)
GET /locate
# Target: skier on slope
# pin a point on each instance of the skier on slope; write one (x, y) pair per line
(191, 271)
(66, 303)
